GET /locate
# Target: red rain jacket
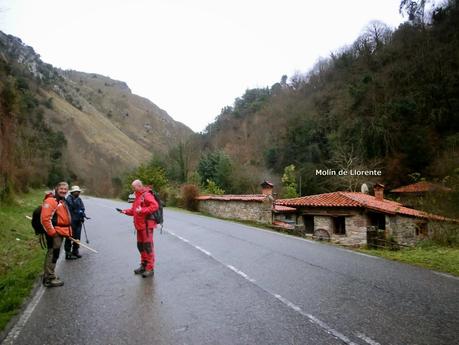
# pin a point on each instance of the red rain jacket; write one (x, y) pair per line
(148, 205)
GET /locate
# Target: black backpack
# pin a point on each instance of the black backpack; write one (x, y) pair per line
(36, 221)
(157, 216)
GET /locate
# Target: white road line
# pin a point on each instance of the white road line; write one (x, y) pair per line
(367, 339)
(315, 320)
(242, 274)
(285, 301)
(276, 233)
(359, 253)
(203, 250)
(446, 275)
(16, 330)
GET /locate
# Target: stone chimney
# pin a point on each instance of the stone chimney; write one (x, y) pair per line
(379, 191)
(267, 188)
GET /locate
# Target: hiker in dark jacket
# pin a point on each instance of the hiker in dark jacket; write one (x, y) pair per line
(77, 211)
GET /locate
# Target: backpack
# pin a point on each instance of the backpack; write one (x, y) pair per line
(157, 216)
(36, 221)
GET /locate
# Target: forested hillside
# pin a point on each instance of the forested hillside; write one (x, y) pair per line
(389, 101)
(68, 125)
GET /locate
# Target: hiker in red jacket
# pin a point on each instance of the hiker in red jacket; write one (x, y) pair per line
(142, 209)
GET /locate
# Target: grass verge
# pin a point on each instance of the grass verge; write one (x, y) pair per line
(22, 256)
(428, 255)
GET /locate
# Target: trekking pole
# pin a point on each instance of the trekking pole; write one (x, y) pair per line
(81, 244)
(85, 234)
(84, 228)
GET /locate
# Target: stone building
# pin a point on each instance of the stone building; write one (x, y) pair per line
(345, 217)
(250, 207)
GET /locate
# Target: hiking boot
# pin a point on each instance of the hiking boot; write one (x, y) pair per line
(70, 256)
(54, 282)
(139, 270)
(77, 255)
(148, 273)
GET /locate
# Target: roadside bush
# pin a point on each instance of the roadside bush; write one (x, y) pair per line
(189, 193)
(213, 188)
(445, 234)
(170, 195)
(149, 174)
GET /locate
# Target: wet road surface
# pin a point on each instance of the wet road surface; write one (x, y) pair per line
(220, 282)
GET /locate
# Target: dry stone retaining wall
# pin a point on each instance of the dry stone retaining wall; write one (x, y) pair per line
(255, 211)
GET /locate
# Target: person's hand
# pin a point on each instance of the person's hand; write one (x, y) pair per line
(138, 209)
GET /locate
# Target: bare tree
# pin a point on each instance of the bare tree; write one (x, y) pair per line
(377, 33)
(415, 9)
(347, 160)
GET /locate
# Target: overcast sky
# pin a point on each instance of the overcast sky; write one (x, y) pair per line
(191, 58)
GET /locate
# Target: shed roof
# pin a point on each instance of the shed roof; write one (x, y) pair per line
(230, 197)
(421, 187)
(280, 208)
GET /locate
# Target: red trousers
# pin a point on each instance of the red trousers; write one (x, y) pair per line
(146, 248)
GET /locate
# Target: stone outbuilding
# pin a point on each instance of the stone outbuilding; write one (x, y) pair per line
(420, 188)
(250, 207)
(416, 194)
(345, 217)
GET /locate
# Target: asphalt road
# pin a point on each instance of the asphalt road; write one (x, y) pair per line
(220, 282)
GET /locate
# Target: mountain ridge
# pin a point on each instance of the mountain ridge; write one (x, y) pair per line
(108, 129)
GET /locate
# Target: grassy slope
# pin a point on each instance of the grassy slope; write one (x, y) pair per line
(444, 259)
(22, 257)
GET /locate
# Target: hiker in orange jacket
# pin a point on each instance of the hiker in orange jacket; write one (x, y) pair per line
(56, 220)
(142, 209)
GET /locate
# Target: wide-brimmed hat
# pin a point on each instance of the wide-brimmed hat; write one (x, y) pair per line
(75, 189)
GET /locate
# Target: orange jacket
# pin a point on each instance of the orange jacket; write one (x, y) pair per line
(50, 206)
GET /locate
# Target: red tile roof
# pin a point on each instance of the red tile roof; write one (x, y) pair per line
(229, 197)
(283, 225)
(280, 208)
(358, 200)
(421, 187)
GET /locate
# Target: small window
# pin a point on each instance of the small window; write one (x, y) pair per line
(378, 220)
(308, 224)
(339, 225)
(422, 230)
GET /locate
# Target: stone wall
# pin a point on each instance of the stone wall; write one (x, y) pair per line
(403, 229)
(254, 211)
(323, 222)
(356, 228)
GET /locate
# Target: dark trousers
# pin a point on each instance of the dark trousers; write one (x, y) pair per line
(54, 247)
(70, 246)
